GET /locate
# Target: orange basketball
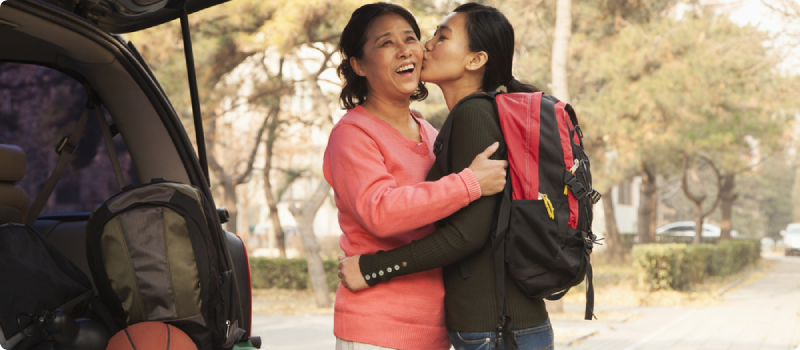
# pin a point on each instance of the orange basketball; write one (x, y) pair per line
(151, 336)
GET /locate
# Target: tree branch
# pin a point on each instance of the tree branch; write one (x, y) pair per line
(241, 178)
(719, 185)
(685, 183)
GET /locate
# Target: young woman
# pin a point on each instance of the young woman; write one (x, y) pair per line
(376, 161)
(471, 52)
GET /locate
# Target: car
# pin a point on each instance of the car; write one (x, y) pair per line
(686, 229)
(791, 239)
(55, 55)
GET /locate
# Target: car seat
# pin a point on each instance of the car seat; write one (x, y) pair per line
(14, 202)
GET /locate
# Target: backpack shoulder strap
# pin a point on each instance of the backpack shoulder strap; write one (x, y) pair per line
(441, 147)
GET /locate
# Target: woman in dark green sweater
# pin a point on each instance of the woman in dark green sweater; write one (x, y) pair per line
(471, 52)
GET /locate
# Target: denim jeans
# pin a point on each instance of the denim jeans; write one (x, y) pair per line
(535, 338)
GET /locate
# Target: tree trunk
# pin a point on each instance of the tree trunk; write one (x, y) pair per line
(304, 215)
(280, 236)
(272, 202)
(698, 199)
(796, 196)
(230, 204)
(558, 67)
(614, 247)
(698, 224)
(727, 197)
(648, 200)
(561, 37)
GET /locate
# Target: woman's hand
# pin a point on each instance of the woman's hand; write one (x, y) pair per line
(350, 273)
(491, 174)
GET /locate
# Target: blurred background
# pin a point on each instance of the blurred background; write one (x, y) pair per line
(689, 111)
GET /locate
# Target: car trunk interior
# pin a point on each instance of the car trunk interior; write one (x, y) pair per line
(30, 39)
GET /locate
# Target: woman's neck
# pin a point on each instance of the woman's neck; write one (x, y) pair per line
(456, 90)
(395, 113)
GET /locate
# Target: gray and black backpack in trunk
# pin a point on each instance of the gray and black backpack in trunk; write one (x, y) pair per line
(157, 253)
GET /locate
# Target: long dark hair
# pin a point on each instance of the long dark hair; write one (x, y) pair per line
(351, 44)
(488, 30)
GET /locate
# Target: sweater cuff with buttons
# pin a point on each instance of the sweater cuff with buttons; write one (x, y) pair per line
(473, 187)
(374, 273)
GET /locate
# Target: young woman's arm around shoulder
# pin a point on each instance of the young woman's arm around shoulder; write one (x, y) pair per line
(356, 168)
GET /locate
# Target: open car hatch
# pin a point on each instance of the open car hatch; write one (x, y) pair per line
(124, 16)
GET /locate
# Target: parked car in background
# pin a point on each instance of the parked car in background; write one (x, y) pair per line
(791, 239)
(686, 229)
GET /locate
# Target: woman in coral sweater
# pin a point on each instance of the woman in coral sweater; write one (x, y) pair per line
(376, 161)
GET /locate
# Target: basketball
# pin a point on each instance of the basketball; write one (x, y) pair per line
(151, 336)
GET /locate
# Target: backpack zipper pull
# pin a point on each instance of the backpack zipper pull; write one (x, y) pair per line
(574, 168)
(548, 205)
(227, 328)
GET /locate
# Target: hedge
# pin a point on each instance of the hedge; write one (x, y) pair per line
(681, 266)
(288, 273)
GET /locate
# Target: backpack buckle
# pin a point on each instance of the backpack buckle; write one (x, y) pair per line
(595, 196)
(64, 145)
(575, 186)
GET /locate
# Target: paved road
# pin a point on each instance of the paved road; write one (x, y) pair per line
(760, 315)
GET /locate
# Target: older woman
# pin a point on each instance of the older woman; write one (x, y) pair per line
(376, 161)
(471, 53)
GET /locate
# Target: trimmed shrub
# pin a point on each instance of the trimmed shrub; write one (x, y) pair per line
(680, 266)
(289, 273)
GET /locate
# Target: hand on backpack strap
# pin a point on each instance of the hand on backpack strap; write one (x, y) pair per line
(350, 273)
(491, 174)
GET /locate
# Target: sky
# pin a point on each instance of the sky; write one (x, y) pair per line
(754, 12)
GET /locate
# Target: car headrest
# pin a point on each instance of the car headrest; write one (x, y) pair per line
(14, 203)
(12, 163)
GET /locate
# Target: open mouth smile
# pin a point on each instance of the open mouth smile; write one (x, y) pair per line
(406, 69)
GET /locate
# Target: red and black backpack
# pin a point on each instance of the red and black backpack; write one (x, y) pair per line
(543, 229)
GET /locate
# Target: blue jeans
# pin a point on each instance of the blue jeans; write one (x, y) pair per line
(535, 338)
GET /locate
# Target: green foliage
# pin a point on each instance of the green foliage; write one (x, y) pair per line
(766, 197)
(681, 266)
(288, 273)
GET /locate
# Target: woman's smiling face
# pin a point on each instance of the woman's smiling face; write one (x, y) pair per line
(447, 52)
(392, 58)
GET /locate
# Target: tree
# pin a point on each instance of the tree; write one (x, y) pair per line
(561, 37)
(699, 197)
(242, 35)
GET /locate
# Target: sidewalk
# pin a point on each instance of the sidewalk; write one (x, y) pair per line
(761, 314)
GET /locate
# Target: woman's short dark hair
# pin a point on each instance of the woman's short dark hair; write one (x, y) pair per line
(489, 31)
(351, 44)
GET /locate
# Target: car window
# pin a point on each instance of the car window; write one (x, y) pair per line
(794, 230)
(681, 228)
(38, 107)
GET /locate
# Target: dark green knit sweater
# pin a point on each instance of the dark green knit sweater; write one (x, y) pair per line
(470, 303)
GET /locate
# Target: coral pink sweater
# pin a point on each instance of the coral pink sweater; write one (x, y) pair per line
(378, 177)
